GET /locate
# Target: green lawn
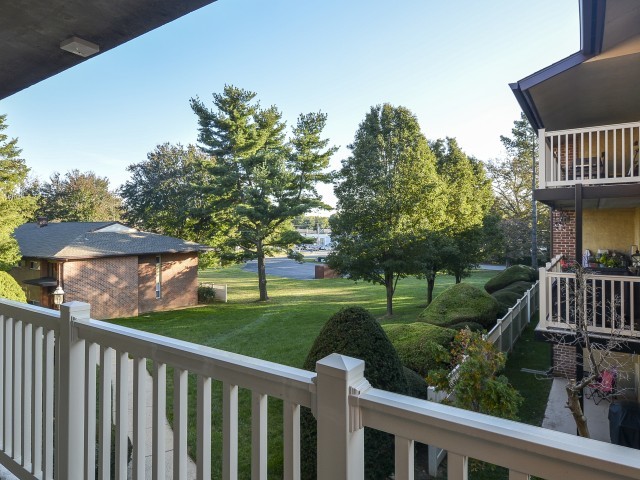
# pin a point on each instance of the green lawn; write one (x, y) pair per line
(282, 330)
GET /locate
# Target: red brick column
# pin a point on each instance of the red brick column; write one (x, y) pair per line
(564, 361)
(563, 233)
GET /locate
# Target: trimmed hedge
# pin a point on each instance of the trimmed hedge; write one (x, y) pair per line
(518, 287)
(515, 273)
(421, 347)
(10, 289)
(506, 299)
(417, 386)
(473, 326)
(462, 303)
(353, 331)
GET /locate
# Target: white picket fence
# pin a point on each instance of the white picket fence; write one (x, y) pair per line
(49, 399)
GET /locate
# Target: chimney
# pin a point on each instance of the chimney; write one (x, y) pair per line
(42, 222)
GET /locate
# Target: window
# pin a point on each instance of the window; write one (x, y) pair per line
(158, 277)
(34, 265)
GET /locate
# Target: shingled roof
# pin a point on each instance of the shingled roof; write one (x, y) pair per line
(75, 240)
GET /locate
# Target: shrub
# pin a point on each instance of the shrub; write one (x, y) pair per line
(10, 289)
(206, 294)
(420, 346)
(473, 326)
(417, 386)
(518, 287)
(506, 299)
(511, 275)
(462, 303)
(353, 331)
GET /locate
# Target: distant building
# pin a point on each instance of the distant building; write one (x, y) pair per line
(322, 236)
(119, 270)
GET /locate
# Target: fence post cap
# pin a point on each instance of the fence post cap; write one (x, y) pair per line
(340, 366)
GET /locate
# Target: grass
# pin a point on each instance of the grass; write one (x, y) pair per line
(283, 329)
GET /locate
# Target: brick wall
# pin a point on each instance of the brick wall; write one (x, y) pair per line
(564, 233)
(564, 361)
(110, 285)
(179, 283)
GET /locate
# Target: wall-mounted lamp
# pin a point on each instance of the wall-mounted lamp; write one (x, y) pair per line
(560, 220)
(58, 296)
(79, 46)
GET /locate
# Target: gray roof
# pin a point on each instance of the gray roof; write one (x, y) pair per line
(74, 240)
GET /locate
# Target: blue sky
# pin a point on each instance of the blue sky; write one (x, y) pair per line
(450, 62)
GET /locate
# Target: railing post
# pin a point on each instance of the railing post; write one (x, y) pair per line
(70, 393)
(529, 304)
(542, 158)
(542, 295)
(340, 434)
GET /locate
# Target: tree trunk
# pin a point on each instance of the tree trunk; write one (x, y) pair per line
(388, 283)
(458, 277)
(431, 282)
(573, 402)
(262, 273)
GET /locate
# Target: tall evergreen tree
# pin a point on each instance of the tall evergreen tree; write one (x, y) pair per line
(387, 189)
(259, 181)
(15, 209)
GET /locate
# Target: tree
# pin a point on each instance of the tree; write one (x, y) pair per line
(514, 179)
(15, 208)
(477, 384)
(387, 189)
(454, 244)
(164, 194)
(78, 197)
(259, 182)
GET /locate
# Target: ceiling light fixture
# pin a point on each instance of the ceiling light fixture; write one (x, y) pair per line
(80, 47)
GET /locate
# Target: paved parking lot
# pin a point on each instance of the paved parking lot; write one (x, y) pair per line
(285, 267)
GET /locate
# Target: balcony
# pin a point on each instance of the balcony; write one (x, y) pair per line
(49, 402)
(612, 302)
(595, 156)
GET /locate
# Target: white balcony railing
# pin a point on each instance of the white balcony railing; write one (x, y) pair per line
(612, 302)
(595, 155)
(47, 354)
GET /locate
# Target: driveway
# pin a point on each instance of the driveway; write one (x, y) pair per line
(285, 267)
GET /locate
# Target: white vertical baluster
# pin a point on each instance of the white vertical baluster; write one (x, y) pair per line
(104, 458)
(229, 431)
(139, 418)
(457, 466)
(2, 380)
(49, 374)
(204, 427)
(17, 391)
(159, 406)
(91, 352)
(8, 387)
(606, 152)
(180, 385)
(258, 436)
(403, 458)
(575, 156)
(122, 414)
(27, 389)
(291, 414)
(513, 475)
(591, 165)
(598, 155)
(615, 151)
(36, 402)
(624, 170)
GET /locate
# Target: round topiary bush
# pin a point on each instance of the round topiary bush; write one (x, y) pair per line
(421, 347)
(462, 303)
(515, 273)
(473, 326)
(353, 331)
(416, 384)
(507, 299)
(518, 287)
(10, 289)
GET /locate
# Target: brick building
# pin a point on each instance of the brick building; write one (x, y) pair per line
(119, 270)
(586, 110)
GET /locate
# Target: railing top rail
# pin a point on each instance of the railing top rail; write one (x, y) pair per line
(280, 381)
(554, 261)
(523, 448)
(592, 129)
(596, 276)
(39, 316)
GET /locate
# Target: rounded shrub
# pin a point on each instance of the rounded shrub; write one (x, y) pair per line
(416, 384)
(462, 303)
(353, 331)
(515, 273)
(507, 299)
(421, 347)
(10, 289)
(518, 287)
(206, 294)
(473, 326)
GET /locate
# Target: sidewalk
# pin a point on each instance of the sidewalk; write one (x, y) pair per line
(558, 417)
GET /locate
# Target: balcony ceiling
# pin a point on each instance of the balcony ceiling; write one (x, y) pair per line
(31, 32)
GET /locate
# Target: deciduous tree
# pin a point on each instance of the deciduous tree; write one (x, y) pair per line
(15, 208)
(387, 189)
(78, 197)
(259, 181)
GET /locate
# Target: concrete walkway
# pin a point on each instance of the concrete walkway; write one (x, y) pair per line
(558, 417)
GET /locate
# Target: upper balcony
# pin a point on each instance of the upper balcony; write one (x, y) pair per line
(606, 154)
